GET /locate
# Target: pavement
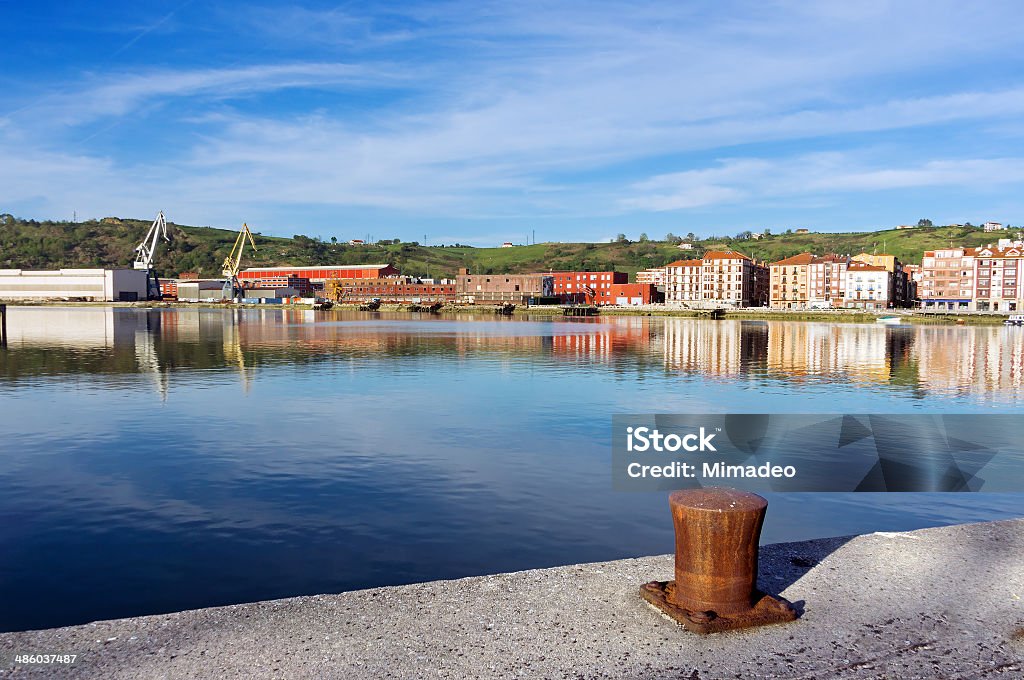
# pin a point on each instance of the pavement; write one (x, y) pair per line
(934, 603)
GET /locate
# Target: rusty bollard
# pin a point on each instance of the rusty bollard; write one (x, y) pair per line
(715, 589)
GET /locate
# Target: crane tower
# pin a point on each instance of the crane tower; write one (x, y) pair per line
(145, 252)
(233, 262)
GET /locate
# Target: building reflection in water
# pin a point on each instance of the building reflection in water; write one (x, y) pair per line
(918, 359)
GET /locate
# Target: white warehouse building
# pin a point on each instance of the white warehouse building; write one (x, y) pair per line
(90, 285)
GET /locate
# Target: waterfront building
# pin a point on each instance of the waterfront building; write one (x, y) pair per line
(303, 286)
(997, 278)
(401, 289)
(732, 278)
(790, 287)
(947, 279)
(868, 286)
(502, 288)
(587, 288)
(721, 277)
(634, 294)
(683, 281)
(169, 289)
(318, 274)
(826, 281)
(196, 290)
(901, 294)
(654, 276)
(913, 272)
(89, 285)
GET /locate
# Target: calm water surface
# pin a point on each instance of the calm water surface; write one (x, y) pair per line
(158, 460)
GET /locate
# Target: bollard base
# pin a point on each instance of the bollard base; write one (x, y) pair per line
(766, 610)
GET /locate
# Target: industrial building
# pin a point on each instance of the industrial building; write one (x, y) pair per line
(319, 274)
(88, 285)
(200, 290)
(483, 289)
(393, 290)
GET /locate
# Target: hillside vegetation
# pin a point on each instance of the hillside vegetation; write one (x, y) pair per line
(28, 244)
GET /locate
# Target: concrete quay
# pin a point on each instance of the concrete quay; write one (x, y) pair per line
(935, 603)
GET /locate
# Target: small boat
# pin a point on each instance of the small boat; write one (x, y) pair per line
(506, 309)
(1014, 320)
(889, 320)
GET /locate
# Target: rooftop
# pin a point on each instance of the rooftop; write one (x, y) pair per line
(802, 258)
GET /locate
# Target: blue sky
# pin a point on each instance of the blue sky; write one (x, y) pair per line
(483, 122)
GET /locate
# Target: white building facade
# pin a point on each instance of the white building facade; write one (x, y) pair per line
(867, 286)
(88, 285)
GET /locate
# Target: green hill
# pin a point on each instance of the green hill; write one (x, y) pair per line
(28, 244)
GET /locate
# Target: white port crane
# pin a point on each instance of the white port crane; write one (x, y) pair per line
(146, 251)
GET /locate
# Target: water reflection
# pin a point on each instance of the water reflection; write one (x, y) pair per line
(161, 459)
(987, 362)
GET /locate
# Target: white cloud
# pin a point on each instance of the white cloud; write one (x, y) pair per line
(517, 110)
(759, 180)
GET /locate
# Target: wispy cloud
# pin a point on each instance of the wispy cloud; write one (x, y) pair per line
(757, 180)
(496, 110)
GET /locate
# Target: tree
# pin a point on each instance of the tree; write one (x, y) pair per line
(744, 235)
(672, 238)
(691, 237)
(621, 238)
(767, 232)
(924, 223)
(334, 240)
(643, 238)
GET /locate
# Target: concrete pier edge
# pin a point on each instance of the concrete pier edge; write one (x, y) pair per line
(934, 603)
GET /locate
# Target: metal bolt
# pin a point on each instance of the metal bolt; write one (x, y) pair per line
(715, 589)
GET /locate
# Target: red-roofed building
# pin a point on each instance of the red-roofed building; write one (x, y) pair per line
(720, 278)
(868, 286)
(790, 285)
(317, 274)
(826, 281)
(999, 278)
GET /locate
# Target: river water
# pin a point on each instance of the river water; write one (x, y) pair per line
(159, 460)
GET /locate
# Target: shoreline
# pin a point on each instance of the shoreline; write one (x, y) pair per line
(908, 316)
(939, 602)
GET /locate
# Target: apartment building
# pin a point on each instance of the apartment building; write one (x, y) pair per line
(868, 286)
(654, 276)
(789, 282)
(683, 281)
(826, 281)
(589, 288)
(997, 278)
(902, 296)
(947, 279)
(721, 277)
